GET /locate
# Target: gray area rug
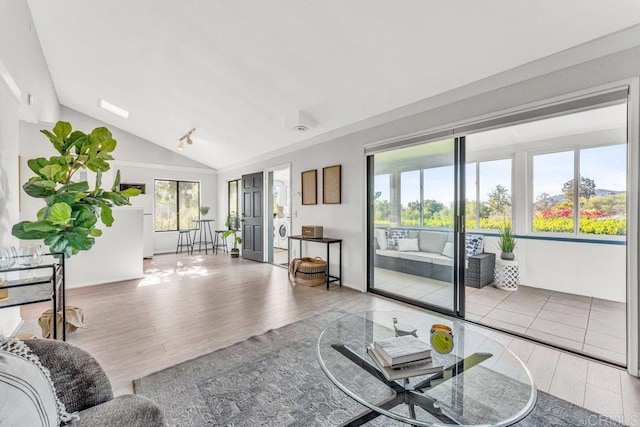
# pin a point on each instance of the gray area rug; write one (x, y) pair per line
(275, 380)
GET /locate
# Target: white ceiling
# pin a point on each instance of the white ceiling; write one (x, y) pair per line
(235, 69)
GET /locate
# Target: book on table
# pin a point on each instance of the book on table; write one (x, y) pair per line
(404, 370)
(404, 349)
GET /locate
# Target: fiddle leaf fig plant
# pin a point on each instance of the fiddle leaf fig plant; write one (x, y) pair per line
(68, 221)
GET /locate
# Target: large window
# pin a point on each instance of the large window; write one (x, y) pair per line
(177, 204)
(488, 194)
(410, 198)
(234, 203)
(601, 191)
(382, 200)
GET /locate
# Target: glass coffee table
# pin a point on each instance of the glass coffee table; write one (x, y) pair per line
(482, 383)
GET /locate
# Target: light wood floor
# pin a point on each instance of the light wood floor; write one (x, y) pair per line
(187, 306)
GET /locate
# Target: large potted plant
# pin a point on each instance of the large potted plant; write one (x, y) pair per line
(231, 231)
(67, 222)
(506, 243)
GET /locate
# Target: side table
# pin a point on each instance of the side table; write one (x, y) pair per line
(507, 275)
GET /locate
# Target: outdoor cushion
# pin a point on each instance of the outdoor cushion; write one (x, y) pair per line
(448, 250)
(393, 234)
(442, 260)
(431, 241)
(473, 244)
(405, 245)
(418, 256)
(381, 237)
(389, 253)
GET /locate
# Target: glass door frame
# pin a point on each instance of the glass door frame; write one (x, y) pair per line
(458, 297)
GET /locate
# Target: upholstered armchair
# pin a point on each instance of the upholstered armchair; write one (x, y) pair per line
(83, 387)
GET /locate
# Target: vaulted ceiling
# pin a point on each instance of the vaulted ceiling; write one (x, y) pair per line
(235, 69)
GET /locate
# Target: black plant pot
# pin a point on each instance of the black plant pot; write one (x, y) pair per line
(235, 253)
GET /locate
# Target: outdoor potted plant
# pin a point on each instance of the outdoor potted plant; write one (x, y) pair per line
(67, 222)
(235, 252)
(506, 243)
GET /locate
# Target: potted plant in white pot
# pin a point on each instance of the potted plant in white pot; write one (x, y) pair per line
(506, 243)
(235, 252)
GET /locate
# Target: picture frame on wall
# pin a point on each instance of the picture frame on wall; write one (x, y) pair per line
(310, 187)
(332, 185)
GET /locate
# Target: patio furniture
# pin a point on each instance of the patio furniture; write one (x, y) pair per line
(184, 240)
(507, 275)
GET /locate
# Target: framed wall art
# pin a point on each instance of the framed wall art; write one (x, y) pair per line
(331, 184)
(310, 187)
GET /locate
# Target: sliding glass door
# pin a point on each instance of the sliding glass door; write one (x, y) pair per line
(415, 218)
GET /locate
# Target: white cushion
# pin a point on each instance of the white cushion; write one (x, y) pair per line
(442, 260)
(448, 250)
(381, 237)
(26, 395)
(388, 252)
(431, 241)
(406, 245)
(417, 256)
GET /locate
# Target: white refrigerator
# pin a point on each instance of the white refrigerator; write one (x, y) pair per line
(145, 201)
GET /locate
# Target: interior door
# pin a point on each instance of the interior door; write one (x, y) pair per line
(252, 217)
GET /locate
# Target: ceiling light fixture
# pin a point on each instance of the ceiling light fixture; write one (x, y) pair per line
(186, 138)
(113, 108)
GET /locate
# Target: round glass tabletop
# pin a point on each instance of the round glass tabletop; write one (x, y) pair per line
(480, 383)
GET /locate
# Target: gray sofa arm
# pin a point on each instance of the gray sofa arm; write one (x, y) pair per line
(128, 410)
(80, 381)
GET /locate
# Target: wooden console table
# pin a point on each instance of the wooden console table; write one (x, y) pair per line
(328, 241)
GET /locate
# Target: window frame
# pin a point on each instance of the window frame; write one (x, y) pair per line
(177, 181)
(511, 158)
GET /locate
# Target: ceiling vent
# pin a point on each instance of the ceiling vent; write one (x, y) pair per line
(299, 121)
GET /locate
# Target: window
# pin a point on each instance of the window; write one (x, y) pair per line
(382, 200)
(177, 204)
(234, 203)
(488, 194)
(410, 198)
(601, 196)
(438, 193)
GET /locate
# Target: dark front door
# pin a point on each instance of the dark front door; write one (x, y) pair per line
(252, 221)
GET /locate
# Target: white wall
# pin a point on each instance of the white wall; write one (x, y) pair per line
(22, 55)
(9, 317)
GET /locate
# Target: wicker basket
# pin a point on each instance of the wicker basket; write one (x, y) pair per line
(309, 271)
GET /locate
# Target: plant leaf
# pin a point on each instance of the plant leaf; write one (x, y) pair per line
(58, 143)
(95, 232)
(86, 218)
(18, 231)
(116, 181)
(36, 164)
(53, 172)
(75, 186)
(80, 241)
(44, 226)
(38, 188)
(60, 213)
(62, 129)
(106, 214)
(131, 192)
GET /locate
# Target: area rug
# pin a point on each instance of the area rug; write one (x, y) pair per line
(275, 380)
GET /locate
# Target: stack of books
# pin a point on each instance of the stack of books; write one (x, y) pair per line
(402, 357)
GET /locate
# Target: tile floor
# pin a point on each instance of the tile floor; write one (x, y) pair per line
(593, 326)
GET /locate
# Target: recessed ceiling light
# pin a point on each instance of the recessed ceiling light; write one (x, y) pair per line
(113, 108)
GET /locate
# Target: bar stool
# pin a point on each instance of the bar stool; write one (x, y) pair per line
(182, 235)
(203, 227)
(220, 242)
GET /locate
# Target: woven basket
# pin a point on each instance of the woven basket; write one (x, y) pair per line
(310, 272)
